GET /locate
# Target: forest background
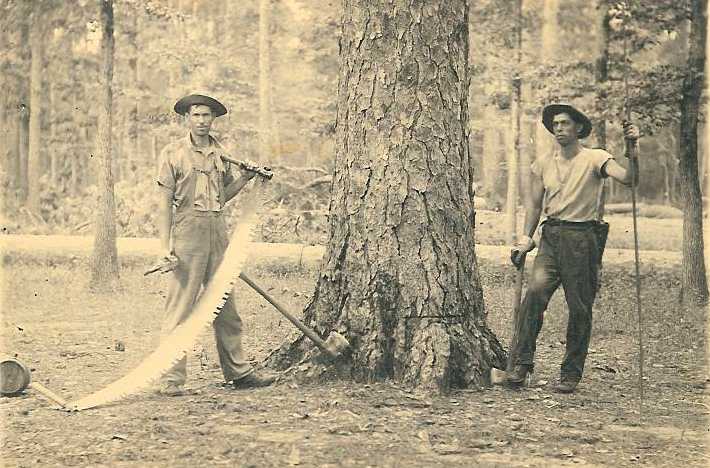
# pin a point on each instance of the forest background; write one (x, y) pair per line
(274, 64)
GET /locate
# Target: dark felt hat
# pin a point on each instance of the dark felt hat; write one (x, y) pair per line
(183, 105)
(549, 112)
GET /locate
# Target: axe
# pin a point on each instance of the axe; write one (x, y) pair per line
(333, 346)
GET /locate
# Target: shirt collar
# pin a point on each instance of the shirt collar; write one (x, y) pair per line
(214, 147)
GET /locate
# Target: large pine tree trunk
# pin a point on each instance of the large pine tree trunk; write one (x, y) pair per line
(104, 262)
(694, 282)
(400, 278)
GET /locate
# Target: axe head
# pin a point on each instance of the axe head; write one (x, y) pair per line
(336, 344)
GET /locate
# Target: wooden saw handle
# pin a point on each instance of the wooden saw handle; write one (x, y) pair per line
(47, 393)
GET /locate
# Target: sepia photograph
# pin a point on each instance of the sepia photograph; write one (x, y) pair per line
(354, 233)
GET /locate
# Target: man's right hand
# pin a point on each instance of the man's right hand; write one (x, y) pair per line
(518, 252)
(167, 262)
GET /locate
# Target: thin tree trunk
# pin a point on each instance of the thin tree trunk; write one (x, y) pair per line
(131, 146)
(34, 170)
(264, 80)
(5, 148)
(514, 138)
(548, 51)
(492, 165)
(104, 262)
(24, 145)
(602, 74)
(694, 288)
(400, 278)
(53, 154)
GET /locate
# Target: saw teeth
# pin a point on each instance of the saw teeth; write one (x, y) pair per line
(171, 349)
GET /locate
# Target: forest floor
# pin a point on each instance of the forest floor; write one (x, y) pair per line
(69, 337)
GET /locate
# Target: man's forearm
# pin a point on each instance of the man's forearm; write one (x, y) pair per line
(235, 187)
(165, 220)
(532, 218)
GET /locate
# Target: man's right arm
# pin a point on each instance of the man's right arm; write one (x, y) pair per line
(165, 219)
(166, 182)
(533, 205)
(533, 210)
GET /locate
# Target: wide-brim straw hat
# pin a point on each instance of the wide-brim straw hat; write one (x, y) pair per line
(184, 103)
(549, 112)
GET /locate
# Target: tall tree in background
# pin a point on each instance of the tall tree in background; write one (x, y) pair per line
(602, 70)
(104, 261)
(694, 287)
(511, 210)
(601, 77)
(24, 116)
(549, 45)
(36, 81)
(264, 80)
(400, 278)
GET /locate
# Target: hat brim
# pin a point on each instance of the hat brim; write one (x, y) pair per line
(183, 105)
(549, 112)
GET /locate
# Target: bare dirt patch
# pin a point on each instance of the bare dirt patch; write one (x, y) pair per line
(68, 337)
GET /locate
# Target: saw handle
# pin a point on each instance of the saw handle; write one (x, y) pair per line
(264, 172)
(306, 331)
(47, 393)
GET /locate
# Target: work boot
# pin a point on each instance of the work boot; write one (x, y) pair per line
(254, 380)
(565, 385)
(170, 389)
(517, 376)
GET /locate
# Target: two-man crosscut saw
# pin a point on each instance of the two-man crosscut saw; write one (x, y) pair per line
(176, 345)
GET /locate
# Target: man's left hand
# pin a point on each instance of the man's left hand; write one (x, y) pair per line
(246, 172)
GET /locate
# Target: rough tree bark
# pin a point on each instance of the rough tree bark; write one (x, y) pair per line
(400, 278)
(33, 157)
(104, 261)
(694, 286)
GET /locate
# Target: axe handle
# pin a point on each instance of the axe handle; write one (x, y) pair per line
(306, 331)
(262, 171)
(47, 393)
(519, 273)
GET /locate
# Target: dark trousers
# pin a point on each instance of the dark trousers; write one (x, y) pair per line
(568, 255)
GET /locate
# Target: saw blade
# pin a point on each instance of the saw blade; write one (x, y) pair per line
(173, 347)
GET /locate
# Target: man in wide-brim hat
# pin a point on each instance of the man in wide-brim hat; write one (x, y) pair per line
(195, 184)
(568, 187)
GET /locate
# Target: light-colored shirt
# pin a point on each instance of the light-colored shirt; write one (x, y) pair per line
(182, 163)
(573, 188)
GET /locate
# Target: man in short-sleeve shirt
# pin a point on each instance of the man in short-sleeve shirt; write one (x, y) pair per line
(195, 184)
(567, 187)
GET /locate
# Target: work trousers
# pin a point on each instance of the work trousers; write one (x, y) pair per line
(200, 240)
(568, 255)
